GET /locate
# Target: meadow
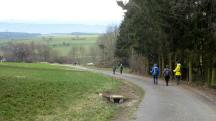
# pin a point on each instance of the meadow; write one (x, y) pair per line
(43, 92)
(62, 43)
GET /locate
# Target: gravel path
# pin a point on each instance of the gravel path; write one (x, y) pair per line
(172, 103)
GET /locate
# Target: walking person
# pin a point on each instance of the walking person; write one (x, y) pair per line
(155, 71)
(121, 68)
(167, 74)
(178, 73)
(114, 69)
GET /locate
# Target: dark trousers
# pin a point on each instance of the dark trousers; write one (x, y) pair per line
(178, 79)
(155, 79)
(114, 71)
(121, 71)
(167, 78)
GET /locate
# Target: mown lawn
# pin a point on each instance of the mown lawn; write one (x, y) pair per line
(42, 92)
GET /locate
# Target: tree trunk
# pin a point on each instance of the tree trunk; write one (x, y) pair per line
(190, 71)
(132, 60)
(209, 78)
(170, 61)
(162, 63)
(146, 66)
(213, 77)
(175, 57)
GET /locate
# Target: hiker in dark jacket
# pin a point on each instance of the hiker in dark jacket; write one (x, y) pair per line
(167, 74)
(155, 71)
(114, 69)
(121, 68)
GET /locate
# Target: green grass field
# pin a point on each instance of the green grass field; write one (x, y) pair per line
(61, 43)
(42, 92)
(64, 43)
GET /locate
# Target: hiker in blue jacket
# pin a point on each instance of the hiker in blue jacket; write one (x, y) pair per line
(155, 71)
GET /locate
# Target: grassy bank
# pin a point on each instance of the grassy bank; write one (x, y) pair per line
(41, 92)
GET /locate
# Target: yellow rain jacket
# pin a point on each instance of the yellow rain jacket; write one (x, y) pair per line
(177, 70)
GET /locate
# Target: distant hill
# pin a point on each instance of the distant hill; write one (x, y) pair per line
(75, 33)
(81, 33)
(17, 35)
(51, 28)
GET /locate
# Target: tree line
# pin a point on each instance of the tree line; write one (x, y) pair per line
(31, 52)
(46, 51)
(167, 32)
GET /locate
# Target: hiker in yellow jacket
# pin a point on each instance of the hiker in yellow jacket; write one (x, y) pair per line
(178, 73)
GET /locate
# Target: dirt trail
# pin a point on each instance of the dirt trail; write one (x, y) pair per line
(172, 103)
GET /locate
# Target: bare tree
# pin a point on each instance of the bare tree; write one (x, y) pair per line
(107, 45)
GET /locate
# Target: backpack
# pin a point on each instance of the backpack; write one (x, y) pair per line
(155, 71)
(167, 72)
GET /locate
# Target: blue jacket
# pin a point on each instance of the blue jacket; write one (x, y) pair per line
(155, 73)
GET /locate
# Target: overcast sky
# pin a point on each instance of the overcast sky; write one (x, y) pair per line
(61, 11)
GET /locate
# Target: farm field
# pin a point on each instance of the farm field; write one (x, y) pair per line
(65, 43)
(43, 92)
(62, 43)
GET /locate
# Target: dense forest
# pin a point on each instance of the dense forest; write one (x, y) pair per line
(167, 32)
